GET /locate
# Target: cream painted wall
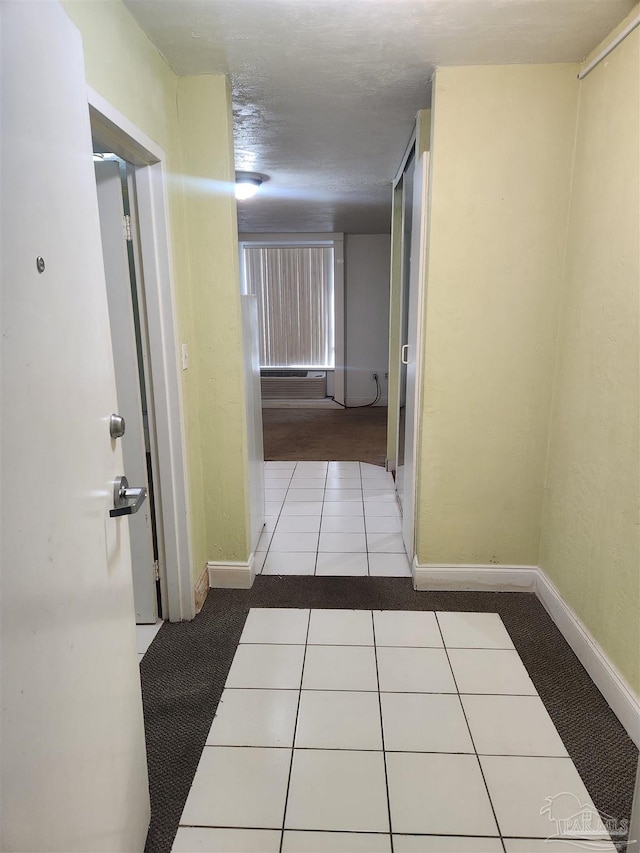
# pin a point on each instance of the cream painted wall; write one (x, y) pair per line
(502, 142)
(117, 52)
(366, 286)
(204, 117)
(590, 544)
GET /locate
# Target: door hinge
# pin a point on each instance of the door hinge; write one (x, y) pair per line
(156, 570)
(126, 226)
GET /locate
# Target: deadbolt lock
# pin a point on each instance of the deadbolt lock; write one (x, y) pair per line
(116, 426)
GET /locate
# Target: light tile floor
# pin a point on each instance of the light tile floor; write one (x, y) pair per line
(331, 518)
(390, 731)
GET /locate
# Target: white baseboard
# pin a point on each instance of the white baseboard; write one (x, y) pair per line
(617, 693)
(327, 403)
(232, 575)
(619, 696)
(474, 577)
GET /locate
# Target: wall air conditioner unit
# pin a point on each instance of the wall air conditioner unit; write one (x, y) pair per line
(293, 384)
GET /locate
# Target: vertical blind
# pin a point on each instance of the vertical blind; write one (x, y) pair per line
(294, 286)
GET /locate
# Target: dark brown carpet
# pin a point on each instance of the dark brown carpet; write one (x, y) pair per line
(184, 672)
(358, 435)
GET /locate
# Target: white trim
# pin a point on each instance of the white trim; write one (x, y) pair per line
(474, 577)
(133, 145)
(613, 44)
(327, 403)
(167, 393)
(416, 297)
(601, 670)
(615, 690)
(232, 575)
(289, 238)
(339, 320)
(407, 153)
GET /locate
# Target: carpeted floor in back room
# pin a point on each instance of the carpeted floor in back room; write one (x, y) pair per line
(319, 434)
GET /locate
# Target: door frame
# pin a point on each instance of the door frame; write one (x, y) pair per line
(420, 205)
(404, 261)
(120, 135)
(423, 163)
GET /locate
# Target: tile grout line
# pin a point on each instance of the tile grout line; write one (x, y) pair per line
(366, 832)
(385, 646)
(293, 471)
(295, 732)
(384, 751)
(266, 553)
(283, 503)
(375, 832)
(364, 524)
(397, 692)
(364, 749)
(324, 492)
(473, 743)
(322, 518)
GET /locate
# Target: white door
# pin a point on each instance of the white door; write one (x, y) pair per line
(412, 349)
(255, 447)
(407, 234)
(125, 357)
(73, 775)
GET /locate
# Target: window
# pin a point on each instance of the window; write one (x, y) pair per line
(295, 290)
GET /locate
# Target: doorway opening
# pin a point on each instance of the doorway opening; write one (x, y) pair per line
(117, 206)
(408, 274)
(160, 420)
(407, 226)
(320, 298)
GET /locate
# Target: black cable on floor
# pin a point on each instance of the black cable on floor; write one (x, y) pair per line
(365, 405)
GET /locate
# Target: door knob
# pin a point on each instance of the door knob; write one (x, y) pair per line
(116, 426)
(404, 354)
(126, 501)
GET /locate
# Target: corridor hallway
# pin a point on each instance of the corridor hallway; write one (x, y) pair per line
(331, 518)
(332, 708)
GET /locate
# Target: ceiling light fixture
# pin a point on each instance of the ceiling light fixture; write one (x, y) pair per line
(248, 184)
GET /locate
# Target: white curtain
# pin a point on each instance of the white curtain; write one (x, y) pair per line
(294, 286)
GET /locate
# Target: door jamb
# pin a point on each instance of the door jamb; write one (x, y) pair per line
(127, 141)
(424, 162)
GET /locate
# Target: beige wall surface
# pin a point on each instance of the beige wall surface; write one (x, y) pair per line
(366, 316)
(502, 142)
(204, 115)
(590, 537)
(178, 114)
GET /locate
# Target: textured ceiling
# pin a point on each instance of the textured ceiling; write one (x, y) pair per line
(325, 91)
